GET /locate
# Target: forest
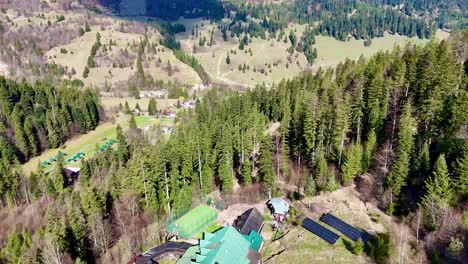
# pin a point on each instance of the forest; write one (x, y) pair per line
(37, 117)
(394, 124)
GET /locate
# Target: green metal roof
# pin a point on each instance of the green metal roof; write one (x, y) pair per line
(255, 239)
(226, 246)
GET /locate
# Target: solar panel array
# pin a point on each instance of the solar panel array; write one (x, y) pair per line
(344, 228)
(320, 231)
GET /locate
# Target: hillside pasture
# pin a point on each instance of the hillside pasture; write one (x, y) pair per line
(108, 68)
(265, 52)
(89, 142)
(331, 51)
(110, 102)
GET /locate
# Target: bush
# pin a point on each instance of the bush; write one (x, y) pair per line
(267, 217)
(465, 219)
(455, 248)
(375, 217)
(358, 247)
(391, 209)
(379, 248)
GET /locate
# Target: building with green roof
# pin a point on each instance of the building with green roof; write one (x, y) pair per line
(225, 246)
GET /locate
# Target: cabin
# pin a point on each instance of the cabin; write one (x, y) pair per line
(169, 112)
(226, 246)
(279, 208)
(248, 221)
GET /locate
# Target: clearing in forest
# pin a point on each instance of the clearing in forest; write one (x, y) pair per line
(87, 143)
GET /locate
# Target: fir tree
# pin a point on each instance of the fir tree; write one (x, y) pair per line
(352, 165)
(265, 162)
(58, 175)
(85, 72)
(461, 172)
(439, 194)
(247, 172)
(401, 167)
(331, 183)
(127, 108)
(152, 107)
(310, 188)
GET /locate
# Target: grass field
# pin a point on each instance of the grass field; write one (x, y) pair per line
(193, 222)
(210, 229)
(270, 51)
(264, 52)
(87, 143)
(79, 49)
(301, 246)
(331, 51)
(109, 102)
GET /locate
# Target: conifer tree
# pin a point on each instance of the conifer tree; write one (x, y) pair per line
(132, 123)
(331, 183)
(265, 162)
(152, 107)
(370, 147)
(321, 168)
(439, 194)
(85, 72)
(122, 149)
(310, 188)
(225, 163)
(59, 176)
(127, 108)
(352, 164)
(247, 172)
(461, 172)
(407, 129)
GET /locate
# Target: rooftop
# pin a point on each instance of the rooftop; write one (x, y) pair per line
(225, 246)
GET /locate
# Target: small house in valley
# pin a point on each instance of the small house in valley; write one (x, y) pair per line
(279, 208)
(250, 220)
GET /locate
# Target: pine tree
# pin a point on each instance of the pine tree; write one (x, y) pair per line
(122, 149)
(90, 63)
(225, 163)
(370, 147)
(228, 59)
(267, 175)
(321, 169)
(310, 188)
(152, 107)
(331, 183)
(207, 174)
(58, 175)
(424, 162)
(127, 108)
(247, 172)
(85, 72)
(87, 27)
(407, 130)
(461, 172)
(85, 173)
(439, 194)
(352, 164)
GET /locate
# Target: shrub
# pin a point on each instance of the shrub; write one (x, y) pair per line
(358, 247)
(379, 248)
(267, 217)
(455, 248)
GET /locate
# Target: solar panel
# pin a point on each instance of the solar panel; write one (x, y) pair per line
(320, 231)
(344, 228)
